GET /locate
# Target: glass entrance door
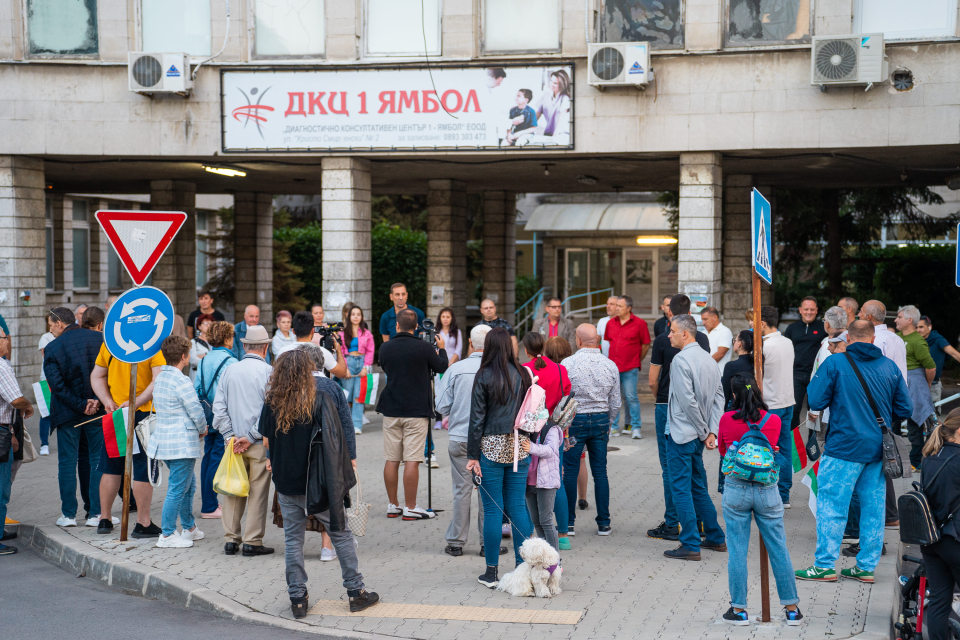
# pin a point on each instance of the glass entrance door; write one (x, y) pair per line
(639, 279)
(577, 281)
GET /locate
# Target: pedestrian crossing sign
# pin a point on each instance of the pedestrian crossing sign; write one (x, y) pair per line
(761, 235)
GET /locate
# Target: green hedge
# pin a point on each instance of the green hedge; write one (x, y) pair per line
(305, 252)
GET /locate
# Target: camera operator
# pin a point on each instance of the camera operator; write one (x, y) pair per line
(302, 327)
(407, 409)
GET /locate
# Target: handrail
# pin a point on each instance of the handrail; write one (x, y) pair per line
(566, 303)
(532, 298)
(521, 324)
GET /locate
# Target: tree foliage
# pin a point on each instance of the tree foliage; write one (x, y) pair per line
(398, 255)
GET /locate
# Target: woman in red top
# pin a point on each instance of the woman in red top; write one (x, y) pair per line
(555, 382)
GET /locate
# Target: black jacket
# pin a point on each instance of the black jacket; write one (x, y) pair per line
(68, 362)
(743, 364)
(944, 494)
(806, 339)
(409, 364)
(330, 474)
(488, 419)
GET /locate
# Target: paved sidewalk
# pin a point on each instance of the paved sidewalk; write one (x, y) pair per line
(622, 583)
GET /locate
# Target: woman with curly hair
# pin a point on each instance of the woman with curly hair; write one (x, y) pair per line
(219, 336)
(294, 397)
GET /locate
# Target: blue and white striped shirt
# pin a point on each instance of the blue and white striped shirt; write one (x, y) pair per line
(180, 419)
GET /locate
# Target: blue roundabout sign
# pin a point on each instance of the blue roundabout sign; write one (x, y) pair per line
(137, 324)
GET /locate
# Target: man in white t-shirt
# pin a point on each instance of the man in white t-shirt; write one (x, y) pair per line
(602, 325)
(721, 338)
(302, 327)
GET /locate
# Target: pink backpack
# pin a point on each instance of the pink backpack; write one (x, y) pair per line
(531, 417)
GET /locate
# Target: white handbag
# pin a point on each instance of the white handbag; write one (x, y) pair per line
(357, 513)
(144, 431)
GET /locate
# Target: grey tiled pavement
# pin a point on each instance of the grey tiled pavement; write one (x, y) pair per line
(622, 583)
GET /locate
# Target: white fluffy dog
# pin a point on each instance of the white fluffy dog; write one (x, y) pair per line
(533, 577)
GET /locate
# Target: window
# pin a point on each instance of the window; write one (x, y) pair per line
(289, 28)
(61, 28)
(767, 22)
(403, 27)
(81, 245)
(510, 26)
(171, 26)
(48, 238)
(656, 21)
(898, 20)
(114, 269)
(202, 241)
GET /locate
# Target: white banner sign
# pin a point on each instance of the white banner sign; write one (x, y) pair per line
(401, 108)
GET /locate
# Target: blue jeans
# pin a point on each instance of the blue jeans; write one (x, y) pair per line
(45, 431)
(689, 486)
(560, 512)
(212, 455)
(670, 512)
(785, 443)
(592, 430)
(68, 452)
(631, 402)
(352, 386)
(502, 490)
(740, 501)
(837, 480)
(6, 483)
(181, 485)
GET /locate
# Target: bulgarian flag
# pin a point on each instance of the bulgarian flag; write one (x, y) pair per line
(115, 427)
(811, 481)
(799, 452)
(368, 389)
(41, 391)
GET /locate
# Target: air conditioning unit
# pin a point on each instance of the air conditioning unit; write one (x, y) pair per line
(848, 60)
(619, 64)
(159, 72)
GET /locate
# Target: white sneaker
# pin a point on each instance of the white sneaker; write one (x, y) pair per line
(192, 534)
(357, 431)
(94, 521)
(417, 514)
(615, 433)
(434, 464)
(326, 555)
(64, 521)
(786, 505)
(635, 434)
(44, 450)
(173, 541)
(366, 420)
(393, 511)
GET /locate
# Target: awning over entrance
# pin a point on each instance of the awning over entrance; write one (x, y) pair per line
(619, 216)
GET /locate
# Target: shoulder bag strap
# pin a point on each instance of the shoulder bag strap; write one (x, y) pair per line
(560, 378)
(206, 391)
(866, 389)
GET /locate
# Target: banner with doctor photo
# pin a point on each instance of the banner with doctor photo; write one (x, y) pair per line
(379, 109)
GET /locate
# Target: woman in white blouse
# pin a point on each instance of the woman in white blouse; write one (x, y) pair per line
(447, 328)
(284, 336)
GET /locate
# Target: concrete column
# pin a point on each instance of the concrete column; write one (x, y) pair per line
(23, 263)
(699, 268)
(500, 251)
(345, 218)
(253, 254)
(447, 247)
(176, 274)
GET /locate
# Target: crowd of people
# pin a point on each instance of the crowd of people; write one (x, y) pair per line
(273, 399)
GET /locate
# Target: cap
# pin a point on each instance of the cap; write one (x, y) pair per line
(840, 338)
(256, 335)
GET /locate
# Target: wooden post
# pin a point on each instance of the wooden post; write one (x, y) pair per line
(128, 461)
(758, 374)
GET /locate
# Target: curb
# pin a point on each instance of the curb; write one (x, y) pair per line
(882, 606)
(67, 552)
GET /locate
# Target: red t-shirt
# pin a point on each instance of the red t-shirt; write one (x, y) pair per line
(732, 430)
(549, 380)
(626, 341)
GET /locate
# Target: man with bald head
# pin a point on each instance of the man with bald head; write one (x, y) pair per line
(887, 341)
(251, 318)
(595, 380)
(850, 306)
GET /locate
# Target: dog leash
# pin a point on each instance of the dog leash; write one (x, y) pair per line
(477, 480)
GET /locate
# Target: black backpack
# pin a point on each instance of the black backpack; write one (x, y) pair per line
(917, 522)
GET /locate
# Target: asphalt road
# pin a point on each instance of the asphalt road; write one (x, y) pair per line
(41, 602)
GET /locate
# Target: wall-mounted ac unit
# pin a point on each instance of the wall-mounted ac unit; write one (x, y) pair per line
(619, 64)
(159, 72)
(848, 60)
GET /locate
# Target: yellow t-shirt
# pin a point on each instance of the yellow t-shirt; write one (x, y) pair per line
(118, 375)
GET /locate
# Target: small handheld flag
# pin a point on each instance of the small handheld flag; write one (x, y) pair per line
(367, 393)
(41, 391)
(115, 433)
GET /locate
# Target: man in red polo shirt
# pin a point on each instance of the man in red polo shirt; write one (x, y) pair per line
(629, 341)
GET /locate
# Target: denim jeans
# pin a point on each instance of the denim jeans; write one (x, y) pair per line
(540, 506)
(293, 509)
(785, 443)
(631, 402)
(560, 513)
(690, 495)
(741, 500)
(68, 452)
(352, 386)
(6, 484)
(181, 485)
(670, 512)
(892, 513)
(45, 431)
(502, 491)
(212, 455)
(837, 480)
(592, 430)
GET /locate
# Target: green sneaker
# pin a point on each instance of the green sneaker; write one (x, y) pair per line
(856, 573)
(817, 574)
(626, 428)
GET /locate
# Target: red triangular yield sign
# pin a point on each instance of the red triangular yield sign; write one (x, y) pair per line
(140, 237)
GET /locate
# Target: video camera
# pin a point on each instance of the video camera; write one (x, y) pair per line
(428, 331)
(327, 332)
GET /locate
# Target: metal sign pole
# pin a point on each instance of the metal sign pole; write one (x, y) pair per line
(128, 461)
(758, 374)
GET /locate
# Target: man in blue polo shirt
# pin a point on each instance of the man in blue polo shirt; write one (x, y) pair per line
(939, 349)
(388, 321)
